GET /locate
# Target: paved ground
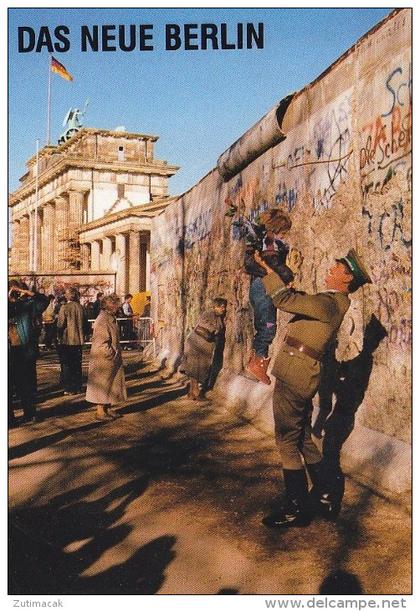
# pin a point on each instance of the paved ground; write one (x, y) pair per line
(169, 498)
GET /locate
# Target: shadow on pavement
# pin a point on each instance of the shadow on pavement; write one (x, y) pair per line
(341, 582)
(42, 442)
(79, 532)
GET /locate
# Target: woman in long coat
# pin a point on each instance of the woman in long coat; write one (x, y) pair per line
(200, 347)
(106, 380)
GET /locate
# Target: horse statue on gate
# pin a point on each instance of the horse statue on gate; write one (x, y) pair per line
(72, 123)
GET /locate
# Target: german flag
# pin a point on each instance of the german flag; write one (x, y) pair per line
(60, 69)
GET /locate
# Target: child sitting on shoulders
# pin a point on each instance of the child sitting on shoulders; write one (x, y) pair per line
(266, 236)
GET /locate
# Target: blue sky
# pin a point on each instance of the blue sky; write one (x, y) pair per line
(197, 102)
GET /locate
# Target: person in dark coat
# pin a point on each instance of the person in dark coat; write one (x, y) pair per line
(200, 347)
(59, 302)
(24, 308)
(71, 328)
(97, 305)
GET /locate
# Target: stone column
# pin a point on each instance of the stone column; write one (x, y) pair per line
(134, 262)
(85, 253)
(95, 256)
(106, 253)
(24, 244)
(39, 245)
(142, 280)
(61, 234)
(31, 240)
(14, 253)
(48, 238)
(121, 251)
(148, 266)
(76, 200)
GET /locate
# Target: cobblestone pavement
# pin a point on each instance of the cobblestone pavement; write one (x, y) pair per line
(169, 498)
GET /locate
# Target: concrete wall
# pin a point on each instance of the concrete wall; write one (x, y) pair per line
(344, 174)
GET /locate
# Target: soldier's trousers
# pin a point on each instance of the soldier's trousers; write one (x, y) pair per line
(292, 419)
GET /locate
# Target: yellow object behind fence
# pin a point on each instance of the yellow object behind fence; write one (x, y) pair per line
(139, 301)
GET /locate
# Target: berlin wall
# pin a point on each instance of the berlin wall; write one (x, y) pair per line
(342, 168)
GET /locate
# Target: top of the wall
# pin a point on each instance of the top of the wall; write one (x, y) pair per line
(351, 50)
(292, 114)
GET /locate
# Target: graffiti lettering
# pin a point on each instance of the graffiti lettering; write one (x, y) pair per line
(389, 225)
(287, 196)
(397, 96)
(401, 334)
(336, 152)
(387, 138)
(198, 229)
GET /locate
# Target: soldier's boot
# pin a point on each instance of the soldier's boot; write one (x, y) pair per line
(297, 510)
(325, 496)
(257, 367)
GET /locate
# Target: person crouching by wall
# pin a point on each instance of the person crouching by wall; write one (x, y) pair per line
(200, 347)
(106, 380)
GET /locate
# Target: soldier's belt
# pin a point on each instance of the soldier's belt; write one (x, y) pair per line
(295, 343)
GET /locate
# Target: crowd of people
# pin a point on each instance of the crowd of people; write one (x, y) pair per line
(62, 324)
(311, 333)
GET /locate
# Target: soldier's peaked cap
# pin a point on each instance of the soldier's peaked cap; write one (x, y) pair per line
(357, 267)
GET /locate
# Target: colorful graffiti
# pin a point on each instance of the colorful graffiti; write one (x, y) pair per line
(287, 196)
(387, 137)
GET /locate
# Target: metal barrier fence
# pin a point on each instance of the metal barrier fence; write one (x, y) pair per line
(134, 332)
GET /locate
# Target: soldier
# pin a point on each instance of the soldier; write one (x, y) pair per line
(314, 326)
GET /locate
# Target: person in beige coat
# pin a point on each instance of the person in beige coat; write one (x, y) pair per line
(106, 380)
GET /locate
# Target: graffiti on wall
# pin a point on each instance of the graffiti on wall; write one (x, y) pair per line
(391, 306)
(318, 160)
(244, 195)
(389, 225)
(166, 236)
(386, 137)
(287, 195)
(331, 144)
(198, 229)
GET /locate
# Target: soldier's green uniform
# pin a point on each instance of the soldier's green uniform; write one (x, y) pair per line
(297, 369)
(297, 365)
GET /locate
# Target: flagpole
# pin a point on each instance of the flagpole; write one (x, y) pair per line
(35, 229)
(49, 102)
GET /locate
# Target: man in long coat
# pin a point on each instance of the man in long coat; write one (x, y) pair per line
(70, 328)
